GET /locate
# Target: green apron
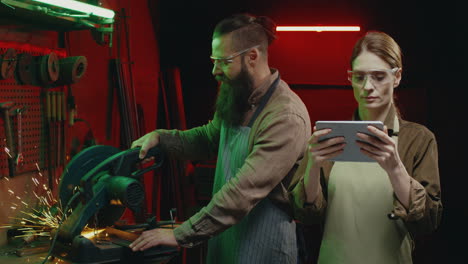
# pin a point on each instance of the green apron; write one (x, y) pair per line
(357, 228)
(267, 234)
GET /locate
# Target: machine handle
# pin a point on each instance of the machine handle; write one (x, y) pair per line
(155, 152)
(152, 152)
(127, 159)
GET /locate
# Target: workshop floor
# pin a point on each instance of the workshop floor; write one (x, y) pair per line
(35, 259)
(8, 256)
(38, 258)
(35, 252)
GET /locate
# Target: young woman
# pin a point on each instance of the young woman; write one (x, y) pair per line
(372, 210)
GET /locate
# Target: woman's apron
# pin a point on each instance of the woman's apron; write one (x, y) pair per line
(357, 228)
(266, 234)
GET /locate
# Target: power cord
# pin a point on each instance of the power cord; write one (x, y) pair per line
(72, 199)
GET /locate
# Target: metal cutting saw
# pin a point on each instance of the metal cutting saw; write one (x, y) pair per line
(97, 185)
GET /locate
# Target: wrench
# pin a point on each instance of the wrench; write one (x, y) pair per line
(19, 156)
(4, 108)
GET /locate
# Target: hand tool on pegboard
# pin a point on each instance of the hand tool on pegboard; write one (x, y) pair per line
(58, 120)
(53, 117)
(19, 160)
(9, 150)
(49, 138)
(8, 62)
(25, 72)
(71, 106)
(62, 124)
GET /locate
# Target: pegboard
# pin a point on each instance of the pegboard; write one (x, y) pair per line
(35, 126)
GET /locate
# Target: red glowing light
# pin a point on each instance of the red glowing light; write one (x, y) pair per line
(318, 28)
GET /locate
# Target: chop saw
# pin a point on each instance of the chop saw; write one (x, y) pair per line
(97, 185)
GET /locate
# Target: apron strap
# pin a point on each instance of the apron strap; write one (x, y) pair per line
(264, 100)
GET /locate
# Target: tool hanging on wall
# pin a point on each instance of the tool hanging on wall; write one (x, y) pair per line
(71, 106)
(19, 161)
(5, 110)
(50, 141)
(55, 104)
(8, 62)
(25, 71)
(58, 122)
(29, 137)
(62, 124)
(128, 124)
(72, 69)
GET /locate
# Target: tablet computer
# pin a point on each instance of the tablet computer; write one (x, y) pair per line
(349, 129)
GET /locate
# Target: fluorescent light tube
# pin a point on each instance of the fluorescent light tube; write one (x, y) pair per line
(80, 7)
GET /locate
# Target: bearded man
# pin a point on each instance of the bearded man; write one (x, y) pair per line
(258, 134)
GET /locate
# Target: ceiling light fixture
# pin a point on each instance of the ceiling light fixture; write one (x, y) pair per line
(318, 28)
(80, 7)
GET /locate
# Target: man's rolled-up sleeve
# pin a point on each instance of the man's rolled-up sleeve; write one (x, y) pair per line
(199, 143)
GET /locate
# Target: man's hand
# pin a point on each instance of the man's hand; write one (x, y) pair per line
(154, 237)
(146, 142)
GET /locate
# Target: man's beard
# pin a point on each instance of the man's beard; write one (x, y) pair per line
(232, 101)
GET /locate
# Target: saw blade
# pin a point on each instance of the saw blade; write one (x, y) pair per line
(79, 166)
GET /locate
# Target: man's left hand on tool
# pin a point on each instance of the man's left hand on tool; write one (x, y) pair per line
(146, 142)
